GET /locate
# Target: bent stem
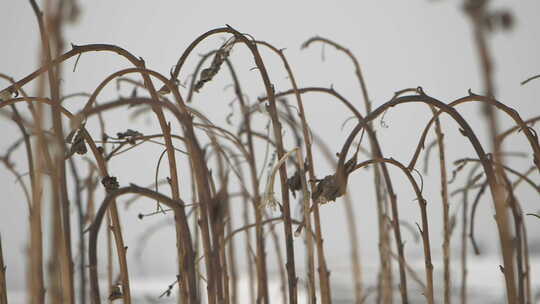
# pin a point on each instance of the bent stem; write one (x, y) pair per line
(323, 270)
(501, 215)
(424, 231)
(386, 175)
(3, 286)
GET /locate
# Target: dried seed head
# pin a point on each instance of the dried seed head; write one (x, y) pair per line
(334, 186)
(507, 21)
(116, 293)
(78, 145)
(110, 183)
(499, 20)
(295, 183)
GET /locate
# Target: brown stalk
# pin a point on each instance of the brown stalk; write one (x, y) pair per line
(273, 233)
(247, 123)
(412, 273)
(530, 79)
(522, 258)
(386, 176)
(180, 230)
(212, 217)
(228, 296)
(307, 221)
(261, 251)
(110, 272)
(279, 142)
(119, 73)
(48, 66)
(17, 118)
(290, 265)
(81, 224)
(324, 274)
(385, 293)
(446, 210)
(120, 248)
(114, 215)
(289, 118)
(75, 51)
(330, 157)
(96, 224)
(522, 177)
(3, 286)
(478, 13)
(213, 266)
(18, 177)
(183, 236)
(501, 218)
(518, 128)
(424, 231)
(229, 136)
(232, 258)
(28, 148)
(62, 230)
(245, 218)
(37, 286)
(280, 260)
(196, 228)
(249, 156)
(513, 114)
(518, 224)
(267, 221)
(527, 275)
(464, 222)
(101, 165)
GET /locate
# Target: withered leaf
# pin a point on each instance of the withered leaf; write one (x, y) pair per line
(78, 145)
(327, 189)
(129, 135)
(209, 73)
(295, 183)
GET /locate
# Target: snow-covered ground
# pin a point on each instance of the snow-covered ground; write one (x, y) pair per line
(485, 283)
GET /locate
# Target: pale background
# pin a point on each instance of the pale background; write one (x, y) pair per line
(399, 44)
